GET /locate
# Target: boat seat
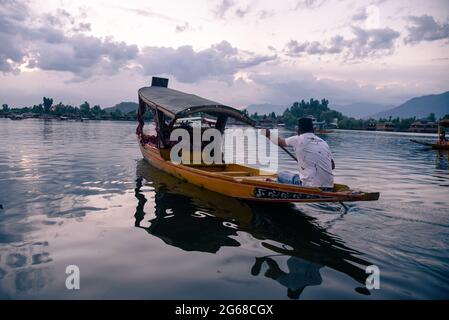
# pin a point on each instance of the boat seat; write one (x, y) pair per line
(236, 173)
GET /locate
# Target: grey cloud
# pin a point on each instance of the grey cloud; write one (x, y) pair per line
(12, 52)
(360, 15)
(296, 49)
(372, 42)
(286, 87)
(11, 55)
(60, 19)
(41, 41)
(14, 9)
(365, 43)
(241, 13)
(44, 33)
(149, 13)
(82, 27)
(309, 4)
(264, 14)
(225, 48)
(378, 2)
(182, 27)
(336, 45)
(186, 65)
(85, 56)
(223, 7)
(425, 28)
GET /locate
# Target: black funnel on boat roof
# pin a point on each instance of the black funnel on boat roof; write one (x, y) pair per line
(159, 82)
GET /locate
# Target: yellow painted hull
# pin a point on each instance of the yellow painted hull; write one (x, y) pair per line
(248, 183)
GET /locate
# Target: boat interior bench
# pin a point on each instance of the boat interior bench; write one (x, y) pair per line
(237, 173)
(233, 170)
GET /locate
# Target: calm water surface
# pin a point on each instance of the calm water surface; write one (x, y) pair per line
(80, 194)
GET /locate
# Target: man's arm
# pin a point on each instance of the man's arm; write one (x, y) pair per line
(280, 141)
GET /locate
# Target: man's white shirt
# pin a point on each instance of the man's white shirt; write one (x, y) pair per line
(314, 160)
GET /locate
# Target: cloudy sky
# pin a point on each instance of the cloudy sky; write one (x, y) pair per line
(237, 52)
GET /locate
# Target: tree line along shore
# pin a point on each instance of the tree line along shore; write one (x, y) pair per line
(60, 111)
(326, 119)
(323, 116)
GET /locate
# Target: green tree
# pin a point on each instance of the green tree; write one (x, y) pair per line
(405, 124)
(85, 109)
(353, 124)
(316, 108)
(325, 103)
(330, 115)
(60, 109)
(116, 115)
(432, 117)
(48, 102)
(96, 110)
(289, 119)
(38, 109)
(5, 108)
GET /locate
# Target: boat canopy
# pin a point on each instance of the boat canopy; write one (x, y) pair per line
(176, 104)
(444, 123)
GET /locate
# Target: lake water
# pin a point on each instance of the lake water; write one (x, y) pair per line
(80, 194)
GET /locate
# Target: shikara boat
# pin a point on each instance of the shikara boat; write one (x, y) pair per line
(440, 145)
(234, 180)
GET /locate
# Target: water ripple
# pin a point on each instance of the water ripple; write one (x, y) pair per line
(78, 193)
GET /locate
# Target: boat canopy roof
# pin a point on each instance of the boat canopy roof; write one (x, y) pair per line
(444, 123)
(176, 104)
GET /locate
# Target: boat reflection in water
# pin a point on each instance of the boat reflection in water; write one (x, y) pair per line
(442, 160)
(194, 219)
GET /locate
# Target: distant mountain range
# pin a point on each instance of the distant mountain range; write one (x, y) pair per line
(419, 107)
(124, 107)
(360, 109)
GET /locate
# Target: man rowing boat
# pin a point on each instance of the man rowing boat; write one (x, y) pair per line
(315, 162)
(443, 139)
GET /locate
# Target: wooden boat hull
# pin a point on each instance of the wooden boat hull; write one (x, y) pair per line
(440, 146)
(248, 183)
(432, 145)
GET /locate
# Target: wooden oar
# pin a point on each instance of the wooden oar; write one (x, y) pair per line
(289, 153)
(282, 147)
(421, 142)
